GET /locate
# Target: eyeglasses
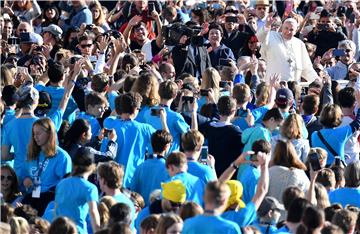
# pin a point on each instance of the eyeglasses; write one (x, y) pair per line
(85, 45)
(7, 177)
(261, 8)
(175, 204)
(348, 50)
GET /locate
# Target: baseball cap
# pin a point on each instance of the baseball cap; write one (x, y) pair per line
(44, 104)
(236, 189)
(83, 157)
(284, 96)
(174, 191)
(54, 30)
(269, 203)
(31, 38)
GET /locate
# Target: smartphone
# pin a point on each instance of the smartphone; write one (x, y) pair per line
(352, 18)
(89, 27)
(337, 161)
(223, 84)
(231, 19)
(73, 60)
(107, 132)
(323, 27)
(204, 154)
(155, 112)
(337, 53)
(188, 99)
(13, 41)
(224, 62)
(151, 8)
(204, 92)
(314, 161)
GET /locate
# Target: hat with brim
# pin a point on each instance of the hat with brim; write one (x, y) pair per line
(269, 203)
(174, 191)
(55, 30)
(262, 3)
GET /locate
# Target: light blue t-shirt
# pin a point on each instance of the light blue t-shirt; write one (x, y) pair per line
(249, 179)
(56, 94)
(258, 114)
(345, 196)
(134, 140)
(51, 169)
(17, 133)
(140, 117)
(210, 225)
(148, 176)
(175, 122)
(194, 186)
(9, 115)
(265, 228)
(203, 172)
(336, 137)
(250, 135)
(71, 198)
(94, 123)
(122, 198)
(111, 99)
(243, 217)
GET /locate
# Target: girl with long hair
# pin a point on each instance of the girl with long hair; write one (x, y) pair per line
(45, 166)
(99, 17)
(9, 184)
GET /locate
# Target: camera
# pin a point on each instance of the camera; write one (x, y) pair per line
(13, 41)
(204, 92)
(89, 27)
(112, 33)
(173, 33)
(223, 84)
(188, 99)
(155, 112)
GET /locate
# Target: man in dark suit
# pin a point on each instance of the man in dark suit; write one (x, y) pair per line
(190, 56)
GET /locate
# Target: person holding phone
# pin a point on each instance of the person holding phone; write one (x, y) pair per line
(345, 52)
(200, 163)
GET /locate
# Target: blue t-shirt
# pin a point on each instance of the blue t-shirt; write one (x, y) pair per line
(258, 114)
(243, 217)
(141, 216)
(94, 123)
(265, 228)
(203, 172)
(71, 198)
(140, 117)
(250, 135)
(336, 137)
(111, 99)
(133, 139)
(51, 169)
(17, 133)
(345, 196)
(210, 225)
(194, 186)
(249, 179)
(144, 181)
(56, 94)
(57, 118)
(9, 115)
(175, 122)
(121, 198)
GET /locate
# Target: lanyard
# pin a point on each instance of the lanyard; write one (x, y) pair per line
(41, 169)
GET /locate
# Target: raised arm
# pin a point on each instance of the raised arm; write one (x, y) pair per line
(229, 172)
(134, 21)
(264, 32)
(263, 184)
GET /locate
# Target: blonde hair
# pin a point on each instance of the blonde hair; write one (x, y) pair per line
(148, 87)
(262, 94)
(166, 221)
(292, 127)
(321, 195)
(50, 148)
(104, 206)
(211, 80)
(19, 225)
(101, 19)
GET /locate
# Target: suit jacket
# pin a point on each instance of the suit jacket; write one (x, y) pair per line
(185, 61)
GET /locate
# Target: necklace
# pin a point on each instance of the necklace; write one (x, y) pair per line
(290, 53)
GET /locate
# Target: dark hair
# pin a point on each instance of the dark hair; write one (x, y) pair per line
(310, 104)
(273, 113)
(27, 212)
(120, 227)
(72, 136)
(127, 103)
(331, 210)
(85, 37)
(312, 219)
(346, 97)
(150, 222)
(129, 61)
(296, 210)
(99, 82)
(62, 225)
(83, 161)
(339, 173)
(217, 27)
(93, 99)
(261, 146)
(120, 212)
(226, 105)
(176, 159)
(159, 140)
(8, 95)
(290, 194)
(56, 72)
(14, 188)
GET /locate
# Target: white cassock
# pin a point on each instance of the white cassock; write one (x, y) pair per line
(289, 58)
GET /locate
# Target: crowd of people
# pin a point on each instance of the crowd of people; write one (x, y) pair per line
(180, 116)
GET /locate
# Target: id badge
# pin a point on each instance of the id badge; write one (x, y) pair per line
(36, 192)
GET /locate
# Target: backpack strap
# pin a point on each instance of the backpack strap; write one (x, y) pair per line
(328, 146)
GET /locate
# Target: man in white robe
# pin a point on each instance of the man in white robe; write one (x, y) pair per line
(285, 54)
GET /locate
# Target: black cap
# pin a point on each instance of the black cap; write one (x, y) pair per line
(44, 104)
(83, 157)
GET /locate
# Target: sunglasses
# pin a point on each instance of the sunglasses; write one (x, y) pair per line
(85, 45)
(7, 177)
(175, 204)
(261, 8)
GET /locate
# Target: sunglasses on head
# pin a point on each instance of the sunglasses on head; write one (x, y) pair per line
(85, 45)
(7, 177)
(175, 204)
